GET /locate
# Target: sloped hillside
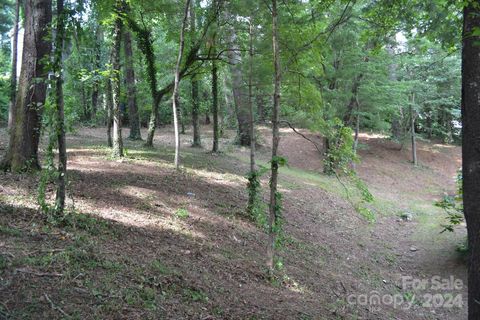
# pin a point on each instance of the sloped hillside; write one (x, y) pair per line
(149, 243)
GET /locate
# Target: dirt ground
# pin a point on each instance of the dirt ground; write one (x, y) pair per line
(151, 243)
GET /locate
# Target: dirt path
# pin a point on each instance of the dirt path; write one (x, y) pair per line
(177, 246)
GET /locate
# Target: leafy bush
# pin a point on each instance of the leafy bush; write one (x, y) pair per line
(453, 206)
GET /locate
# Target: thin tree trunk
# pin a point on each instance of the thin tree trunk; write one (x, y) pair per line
(131, 91)
(471, 150)
(109, 101)
(60, 126)
(176, 83)
(251, 117)
(215, 105)
(22, 153)
(195, 114)
(117, 116)
(412, 131)
(13, 75)
(194, 81)
(96, 83)
(273, 209)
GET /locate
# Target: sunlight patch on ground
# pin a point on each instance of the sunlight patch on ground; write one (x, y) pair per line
(135, 219)
(368, 135)
(226, 179)
(444, 146)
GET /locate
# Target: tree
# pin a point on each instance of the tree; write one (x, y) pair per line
(22, 153)
(241, 107)
(412, 131)
(131, 85)
(215, 101)
(274, 196)
(471, 149)
(115, 79)
(59, 109)
(175, 105)
(251, 116)
(146, 46)
(195, 87)
(97, 65)
(13, 74)
(109, 106)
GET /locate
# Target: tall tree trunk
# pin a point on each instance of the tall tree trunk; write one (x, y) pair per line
(176, 83)
(97, 63)
(131, 91)
(194, 82)
(396, 126)
(215, 105)
(251, 117)
(412, 131)
(109, 102)
(239, 94)
(273, 207)
(152, 81)
(22, 153)
(117, 116)
(13, 75)
(60, 126)
(471, 150)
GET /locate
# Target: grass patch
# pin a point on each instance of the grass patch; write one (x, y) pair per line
(158, 267)
(195, 295)
(10, 231)
(182, 213)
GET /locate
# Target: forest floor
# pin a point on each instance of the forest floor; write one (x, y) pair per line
(147, 242)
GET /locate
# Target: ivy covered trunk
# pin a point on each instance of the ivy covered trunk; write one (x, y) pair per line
(471, 150)
(59, 110)
(134, 120)
(274, 206)
(22, 153)
(146, 46)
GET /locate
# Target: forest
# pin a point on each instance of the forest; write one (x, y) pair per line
(223, 159)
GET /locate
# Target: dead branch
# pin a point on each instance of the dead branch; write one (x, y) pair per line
(54, 307)
(301, 134)
(39, 274)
